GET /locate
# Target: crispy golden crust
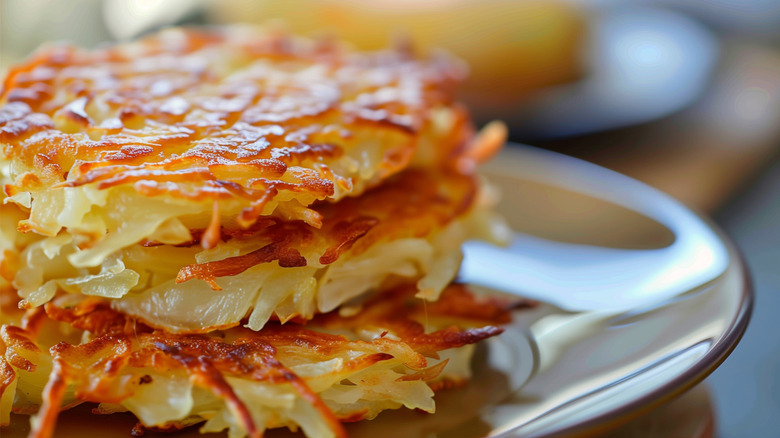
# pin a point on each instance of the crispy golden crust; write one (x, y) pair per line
(123, 352)
(415, 203)
(222, 114)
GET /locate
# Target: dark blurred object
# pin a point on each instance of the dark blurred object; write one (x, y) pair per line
(643, 64)
(707, 153)
(513, 47)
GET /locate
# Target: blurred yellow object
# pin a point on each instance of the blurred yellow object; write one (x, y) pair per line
(511, 46)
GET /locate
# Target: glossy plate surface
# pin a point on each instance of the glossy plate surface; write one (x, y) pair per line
(641, 300)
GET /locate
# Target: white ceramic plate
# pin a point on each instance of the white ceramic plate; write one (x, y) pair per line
(641, 300)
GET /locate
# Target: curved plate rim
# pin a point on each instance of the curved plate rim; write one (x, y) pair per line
(691, 376)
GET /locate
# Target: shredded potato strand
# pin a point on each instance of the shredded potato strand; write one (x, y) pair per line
(383, 350)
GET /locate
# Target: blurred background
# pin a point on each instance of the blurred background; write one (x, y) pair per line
(681, 94)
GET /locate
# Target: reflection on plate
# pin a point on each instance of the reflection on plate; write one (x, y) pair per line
(583, 368)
